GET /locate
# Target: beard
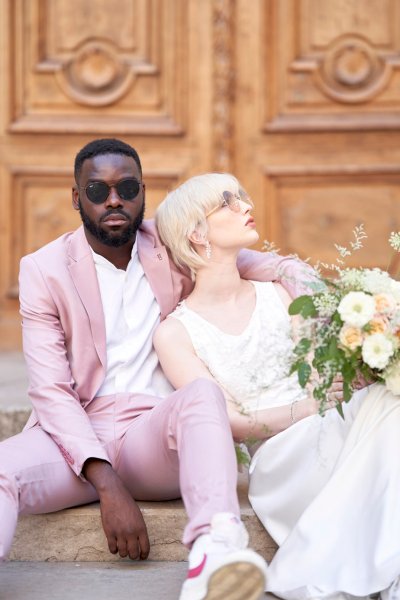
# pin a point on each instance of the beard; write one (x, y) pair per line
(110, 238)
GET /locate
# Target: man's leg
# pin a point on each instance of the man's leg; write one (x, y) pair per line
(185, 443)
(184, 447)
(35, 478)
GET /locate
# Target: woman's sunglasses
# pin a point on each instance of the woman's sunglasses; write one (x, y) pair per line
(98, 191)
(232, 201)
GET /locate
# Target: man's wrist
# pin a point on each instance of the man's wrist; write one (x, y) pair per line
(99, 473)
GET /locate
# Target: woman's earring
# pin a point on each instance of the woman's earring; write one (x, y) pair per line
(208, 250)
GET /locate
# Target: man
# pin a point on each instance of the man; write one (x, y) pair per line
(106, 425)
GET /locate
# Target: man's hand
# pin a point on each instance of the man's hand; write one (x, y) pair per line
(335, 392)
(361, 382)
(122, 520)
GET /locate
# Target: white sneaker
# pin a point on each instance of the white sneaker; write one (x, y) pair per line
(221, 567)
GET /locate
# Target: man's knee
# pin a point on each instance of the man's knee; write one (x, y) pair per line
(8, 485)
(205, 390)
(202, 396)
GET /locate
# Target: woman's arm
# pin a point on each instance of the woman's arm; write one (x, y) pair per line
(181, 365)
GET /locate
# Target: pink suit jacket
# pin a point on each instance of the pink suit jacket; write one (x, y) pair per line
(63, 326)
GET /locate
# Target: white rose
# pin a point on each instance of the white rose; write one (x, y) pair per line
(376, 281)
(395, 289)
(377, 350)
(357, 308)
(392, 379)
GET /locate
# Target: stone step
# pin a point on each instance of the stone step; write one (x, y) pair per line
(125, 580)
(12, 421)
(76, 534)
(14, 404)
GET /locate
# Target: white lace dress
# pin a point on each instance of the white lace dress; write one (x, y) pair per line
(326, 489)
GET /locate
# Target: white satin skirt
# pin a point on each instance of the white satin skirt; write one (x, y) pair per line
(328, 491)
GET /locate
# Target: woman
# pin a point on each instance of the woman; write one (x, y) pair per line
(325, 488)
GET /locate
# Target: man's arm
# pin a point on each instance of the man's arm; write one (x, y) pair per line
(121, 518)
(51, 384)
(60, 414)
(296, 276)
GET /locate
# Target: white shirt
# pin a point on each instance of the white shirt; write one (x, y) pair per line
(131, 315)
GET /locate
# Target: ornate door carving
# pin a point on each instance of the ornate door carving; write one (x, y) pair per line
(74, 70)
(319, 112)
(299, 98)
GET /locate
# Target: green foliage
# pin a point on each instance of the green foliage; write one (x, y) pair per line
(304, 373)
(319, 358)
(241, 456)
(304, 306)
(345, 335)
(303, 347)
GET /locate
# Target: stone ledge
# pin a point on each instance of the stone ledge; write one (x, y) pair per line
(12, 421)
(76, 534)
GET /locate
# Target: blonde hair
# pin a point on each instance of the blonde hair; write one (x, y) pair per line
(184, 210)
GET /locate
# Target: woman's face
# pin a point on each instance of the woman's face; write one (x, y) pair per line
(231, 225)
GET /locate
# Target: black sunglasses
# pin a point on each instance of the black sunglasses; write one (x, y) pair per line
(98, 191)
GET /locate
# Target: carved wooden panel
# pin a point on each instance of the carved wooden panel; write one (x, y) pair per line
(42, 209)
(158, 184)
(73, 70)
(299, 98)
(331, 64)
(311, 209)
(98, 66)
(223, 76)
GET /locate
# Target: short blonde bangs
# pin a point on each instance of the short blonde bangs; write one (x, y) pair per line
(184, 210)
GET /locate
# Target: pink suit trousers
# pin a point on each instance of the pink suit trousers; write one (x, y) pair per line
(179, 446)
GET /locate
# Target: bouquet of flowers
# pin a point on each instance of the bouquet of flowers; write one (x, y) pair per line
(349, 329)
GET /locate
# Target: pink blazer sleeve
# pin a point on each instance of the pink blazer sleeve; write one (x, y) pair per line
(295, 275)
(51, 385)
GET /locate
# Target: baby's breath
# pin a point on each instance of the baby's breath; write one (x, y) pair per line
(326, 304)
(344, 252)
(269, 246)
(352, 279)
(359, 235)
(394, 241)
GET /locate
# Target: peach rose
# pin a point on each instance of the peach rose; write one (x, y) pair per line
(384, 303)
(351, 337)
(377, 325)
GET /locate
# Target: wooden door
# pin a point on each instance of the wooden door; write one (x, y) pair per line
(318, 108)
(73, 70)
(299, 98)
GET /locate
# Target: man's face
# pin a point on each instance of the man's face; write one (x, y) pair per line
(113, 222)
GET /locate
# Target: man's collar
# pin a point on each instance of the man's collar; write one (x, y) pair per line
(101, 260)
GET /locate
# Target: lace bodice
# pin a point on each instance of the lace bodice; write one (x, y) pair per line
(252, 367)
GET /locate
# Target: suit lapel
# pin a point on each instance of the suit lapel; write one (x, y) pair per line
(155, 262)
(83, 273)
